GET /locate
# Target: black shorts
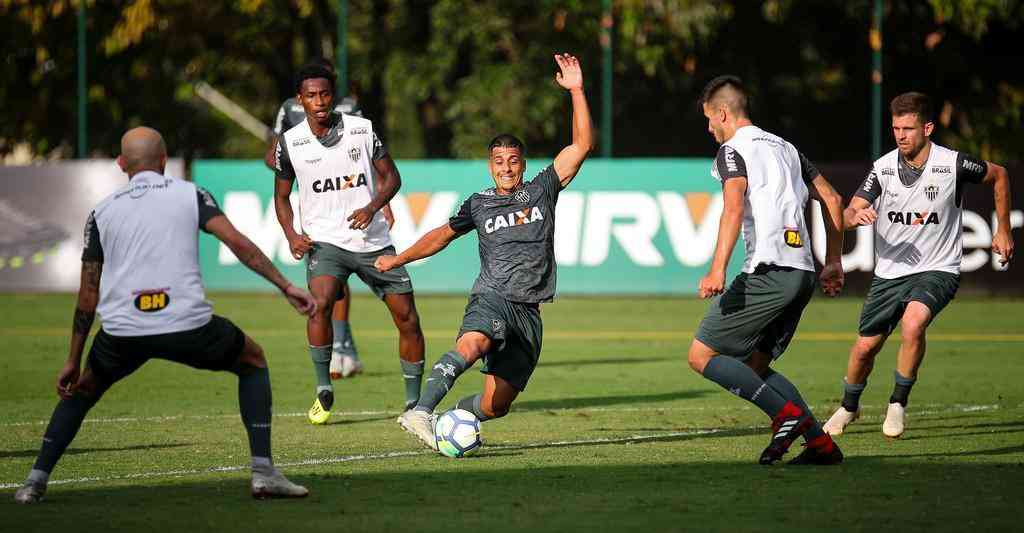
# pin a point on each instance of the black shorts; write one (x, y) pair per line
(215, 346)
(888, 298)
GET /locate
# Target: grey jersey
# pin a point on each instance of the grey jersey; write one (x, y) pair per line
(517, 238)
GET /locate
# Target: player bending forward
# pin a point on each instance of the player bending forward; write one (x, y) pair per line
(765, 184)
(515, 223)
(159, 309)
(919, 190)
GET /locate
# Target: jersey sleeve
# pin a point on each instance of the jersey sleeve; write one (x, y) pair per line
(379, 150)
(208, 207)
(549, 180)
(870, 189)
(807, 169)
(462, 222)
(284, 169)
(730, 164)
(92, 250)
(970, 168)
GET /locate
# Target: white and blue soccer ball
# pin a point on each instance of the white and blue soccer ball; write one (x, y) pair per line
(457, 433)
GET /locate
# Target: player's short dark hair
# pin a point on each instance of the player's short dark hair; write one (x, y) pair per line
(312, 71)
(738, 105)
(322, 61)
(913, 103)
(506, 140)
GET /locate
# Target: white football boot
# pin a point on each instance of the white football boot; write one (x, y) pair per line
(840, 419)
(30, 493)
(421, 425)
(893, 425)
(275, 485)
(337, 365)
(350, 366)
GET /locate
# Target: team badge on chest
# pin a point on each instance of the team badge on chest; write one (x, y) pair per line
(522, 196)
(355, 153)
(931, 191)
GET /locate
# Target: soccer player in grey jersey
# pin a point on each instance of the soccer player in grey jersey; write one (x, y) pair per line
(157, 308)
(515, 224)
(918, 189)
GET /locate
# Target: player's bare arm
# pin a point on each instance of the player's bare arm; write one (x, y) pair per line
(433, 242)
(831, 277)
(570, 76)
(270, 158)
(388, 183)
(85, 314)
(298, 244)
(251, 256)
(733, 191)
(1002, 241)
(858, 213)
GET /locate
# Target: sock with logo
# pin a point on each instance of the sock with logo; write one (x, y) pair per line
(787, 390)
(472, 404)
(254, 404)
(740, 380)
(321, 356)
(851, 395)
(442, 377)
(412, 373)
(344, 343)
(901, 389)
(64, 423)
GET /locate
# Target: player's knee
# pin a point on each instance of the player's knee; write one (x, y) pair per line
(495, 409)
(252, 356)
(324, 306)
(697, 358)
(90, 387)
(409, 322)
(913, 329)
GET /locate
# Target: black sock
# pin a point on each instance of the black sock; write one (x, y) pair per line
(787, 390)
(901, 389)
(851, 395)
(254, 404)
(64, 423)
(472, 404)
(740, 380)
(442, 377)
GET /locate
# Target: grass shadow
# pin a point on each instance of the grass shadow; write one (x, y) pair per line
(603, 401)
(4, 454)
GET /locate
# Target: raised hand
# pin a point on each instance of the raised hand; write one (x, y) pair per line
(571, 75)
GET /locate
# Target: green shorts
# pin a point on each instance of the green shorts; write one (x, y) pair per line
(215, 346)
(888, 299)
(759, 311)
(326, 259)
(515, 330)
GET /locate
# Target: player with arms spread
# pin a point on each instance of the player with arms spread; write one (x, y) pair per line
(345, 360)
(345, 178)
(515, 223)
(918, 189)
(159, 309)
(766, 182)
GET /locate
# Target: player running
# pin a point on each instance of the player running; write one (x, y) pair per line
(140, 271)
(918, 188)
(345, 360)
(345, 177)
(765, 184)
(515, 223)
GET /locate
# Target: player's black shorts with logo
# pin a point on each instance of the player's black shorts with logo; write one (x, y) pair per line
(325, 259)
(759, 311)
(888, 299)
(516, 332)
(215, 346)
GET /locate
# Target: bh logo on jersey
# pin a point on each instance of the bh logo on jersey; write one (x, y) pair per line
(515, 218)
(913, 219)
(793, 238)
(151, 302)
(339, 183)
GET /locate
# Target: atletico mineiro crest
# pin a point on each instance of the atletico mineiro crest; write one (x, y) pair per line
(522, 196)
(355, 153)
(931, 191)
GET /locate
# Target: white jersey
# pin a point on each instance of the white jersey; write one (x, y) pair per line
(146, 235)
(919, 225)
(333, 182)
(774, 230)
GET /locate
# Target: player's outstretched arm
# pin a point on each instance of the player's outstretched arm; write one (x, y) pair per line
(733, 191)
(85, 313)
(1002, 241)
(434, 241)
(251, 256)
(568, 161)
(388, 181)
(858, 213)
(831, 203)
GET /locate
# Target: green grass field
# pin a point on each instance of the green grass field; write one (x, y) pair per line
(614, 433)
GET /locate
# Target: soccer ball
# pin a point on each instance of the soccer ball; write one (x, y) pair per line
(457, 433)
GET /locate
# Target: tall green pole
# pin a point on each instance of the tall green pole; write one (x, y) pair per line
(83, 118)
(876, 81)
(606, 80)
(343, 47)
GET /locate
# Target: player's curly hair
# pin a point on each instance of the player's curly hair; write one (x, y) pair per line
(913, 103)
(506, 140)
(313, 71)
